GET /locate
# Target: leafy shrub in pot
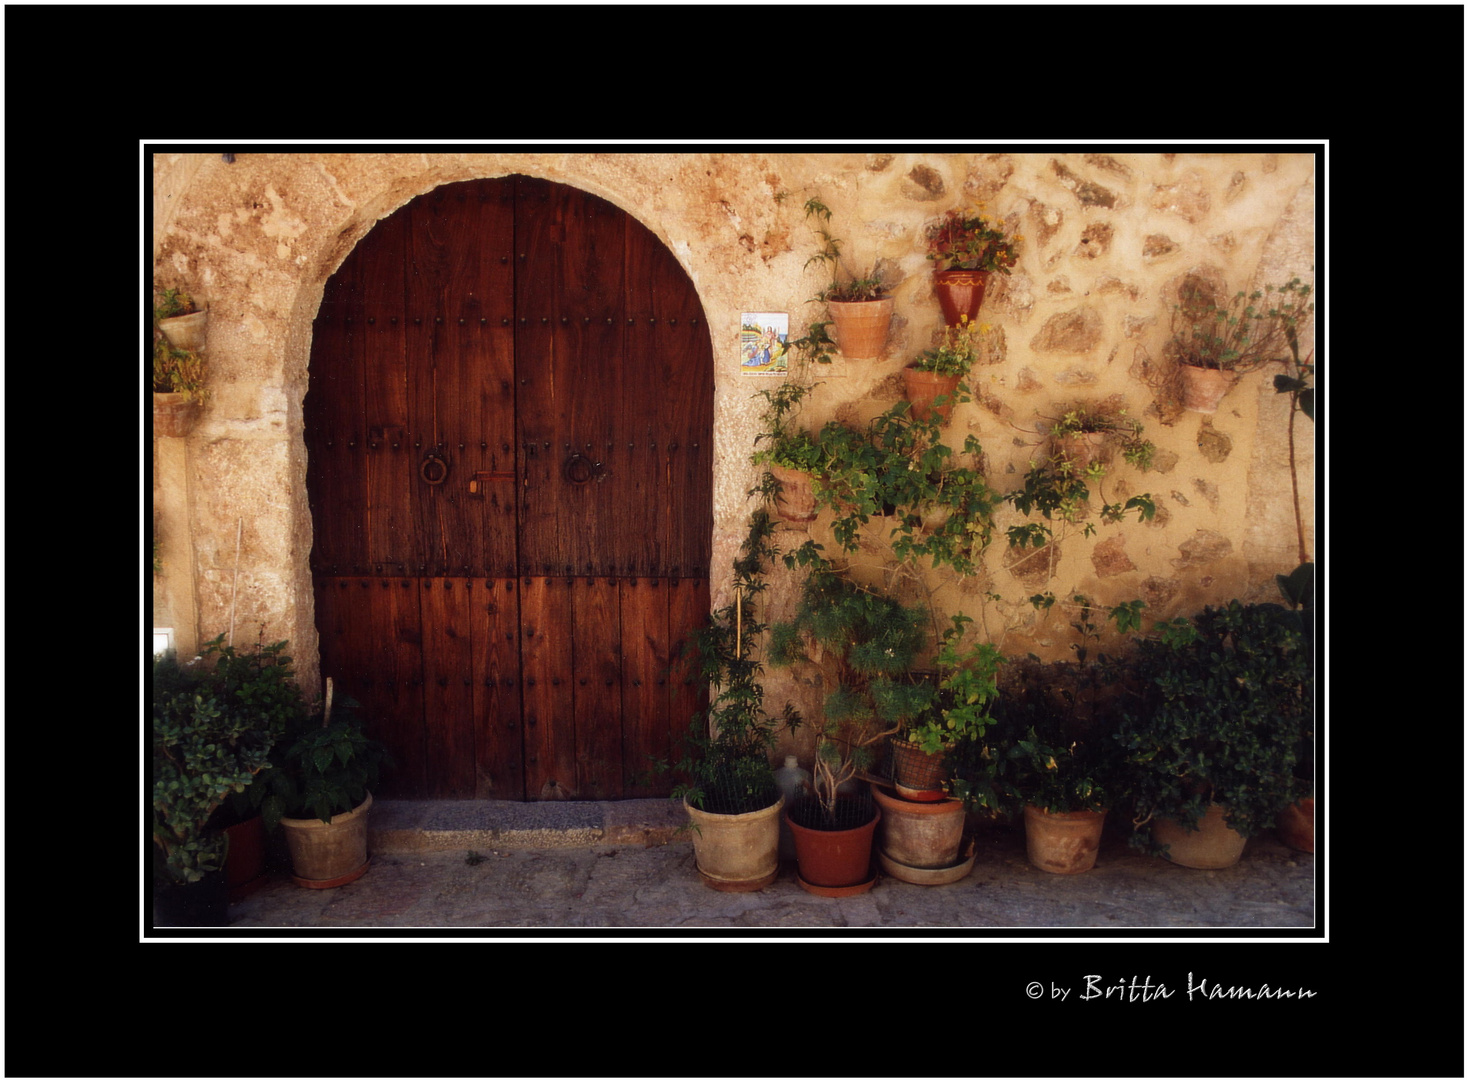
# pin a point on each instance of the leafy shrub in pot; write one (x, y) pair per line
(1222, 698)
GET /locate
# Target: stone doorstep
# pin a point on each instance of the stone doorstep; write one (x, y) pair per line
(400, 826)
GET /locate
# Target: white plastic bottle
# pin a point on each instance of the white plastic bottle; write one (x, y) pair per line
(794, 782)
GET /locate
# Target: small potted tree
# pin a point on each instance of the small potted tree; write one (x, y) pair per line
(866, 645)
(858, 303)
(730, 793)
(1212, 741)
(1214, 344)
(966, 250)
(319, 791)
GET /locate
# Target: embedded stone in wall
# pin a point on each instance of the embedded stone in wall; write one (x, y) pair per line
(1044, 222)
(1109, 164)
(987, 177)
(1074, 331)
(923, 184)
(1235, 186)
(1187, 199)
(1205, 547)
(878, 162)
(1136, 325)
(1032, 566)
(1089, 194)
(1158, 592)
(1207, 490)
(1095, 241)
(1109, 286)
(1109, 557)
(1157, 246)
(1213, 444)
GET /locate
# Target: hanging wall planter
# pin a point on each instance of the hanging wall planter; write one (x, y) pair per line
(960, 293)
(861, 326)
(1204, 388)
(174, 415)
(795, 502)
(923, 388)
(186, 331)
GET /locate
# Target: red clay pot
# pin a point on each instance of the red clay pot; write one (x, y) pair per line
(925, 387)
(838, 859)
(1203, 388)
(861, 326)
(1296, 825)
(960, 292)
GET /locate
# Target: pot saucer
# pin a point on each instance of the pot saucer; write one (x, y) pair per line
(942, 875)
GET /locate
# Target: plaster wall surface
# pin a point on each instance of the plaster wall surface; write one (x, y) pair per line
(1106, 239)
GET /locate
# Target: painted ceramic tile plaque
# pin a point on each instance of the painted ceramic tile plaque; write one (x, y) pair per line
(763, 339)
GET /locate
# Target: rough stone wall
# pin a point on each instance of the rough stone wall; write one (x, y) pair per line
(1084, 316)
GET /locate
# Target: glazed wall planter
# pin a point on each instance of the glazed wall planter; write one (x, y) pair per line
(834, 862)
(923, 388)
(1203, 388)
(174, 415)
(737, 852)
(1295, 825)
(325, 855)
(920, 836)
(1213, 846)
(796, 499)
(861, 326)
(1063, 842)
(959, 293)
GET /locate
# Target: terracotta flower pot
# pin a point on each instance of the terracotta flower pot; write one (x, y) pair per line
(1213, 846)
(834, 861)
(861, 326)
(174, 415)
(327, 854)
(1063, 842)
(244, 866)
(1079, 449)
(925, 387)
(796, 499)
(1203, 388)
(737, 852)
(960, 292)
(186, 331)
(1295, 825)
(919, 835)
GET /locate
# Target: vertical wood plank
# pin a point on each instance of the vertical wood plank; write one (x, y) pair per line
(598, 687)
(645, 690)
(498, 742)
(385, 455)
(448, 687)
(549, 703)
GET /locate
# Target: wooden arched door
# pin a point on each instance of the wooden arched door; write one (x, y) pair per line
(509, 430)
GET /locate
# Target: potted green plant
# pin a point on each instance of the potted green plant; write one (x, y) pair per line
(1212, 740)
(215, 722)
(180, 319)
(1088, 432)
(933, 380)
(858, 303)
(865, 645)
(790, 455)
(319, 791)
(729, 792)
(178, 388)
(966, 249)
(1215, 343)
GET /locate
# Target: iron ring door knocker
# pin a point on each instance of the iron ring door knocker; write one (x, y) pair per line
(434, 470)
(581, 470)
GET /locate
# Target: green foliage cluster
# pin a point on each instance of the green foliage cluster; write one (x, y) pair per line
(967, 689)
(966, 240)
(727, 768)
(1246, 332)
(171, 303)
(958, 349)
(1222, 702)
(321, 768)
(214, 724)
(867, 646)
(177, 371)
(844, 287)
